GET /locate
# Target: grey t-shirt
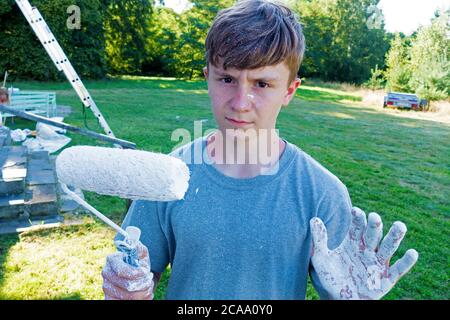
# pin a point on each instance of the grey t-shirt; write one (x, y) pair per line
(243, 238)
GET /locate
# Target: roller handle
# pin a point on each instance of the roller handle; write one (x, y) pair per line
(129, 246)
(131, 234)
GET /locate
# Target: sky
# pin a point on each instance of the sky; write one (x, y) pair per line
(407, 15)
(400, 15)
(178, 5)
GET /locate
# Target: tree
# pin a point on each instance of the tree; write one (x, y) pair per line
(357, 45)
(24, 57)
(162, 43)
(194, 25)
(126, 32)
(317, 27)
(430, 65)
(377, 79)
(344, 39)
(398, 73)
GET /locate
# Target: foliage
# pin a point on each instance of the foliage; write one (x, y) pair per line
(161, 45)
(421, 63)
(377, 79)
(430, 64)
(126, 33)
(22, 55)
(194, 25)
(344, 39)
(398, 72)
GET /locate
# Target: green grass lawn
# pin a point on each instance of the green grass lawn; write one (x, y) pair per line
(395, 166)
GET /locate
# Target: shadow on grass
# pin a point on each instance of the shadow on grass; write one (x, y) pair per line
(312, 94)
(6, 242)
(70, 296)
(341, 112)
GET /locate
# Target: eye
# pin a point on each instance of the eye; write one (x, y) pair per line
(226, 80)
(262, 84)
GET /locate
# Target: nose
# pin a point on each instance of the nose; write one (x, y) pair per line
(243, 99)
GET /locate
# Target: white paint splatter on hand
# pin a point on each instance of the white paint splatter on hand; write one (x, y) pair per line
(122, 281)
(359, 267)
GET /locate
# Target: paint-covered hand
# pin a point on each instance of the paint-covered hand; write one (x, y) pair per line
(122, 281)
(359, 267)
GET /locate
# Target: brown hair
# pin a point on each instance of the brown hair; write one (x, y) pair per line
(254, 34)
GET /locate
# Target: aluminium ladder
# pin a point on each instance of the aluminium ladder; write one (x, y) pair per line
(60, 60)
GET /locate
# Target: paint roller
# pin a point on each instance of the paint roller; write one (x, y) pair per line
(126, 173)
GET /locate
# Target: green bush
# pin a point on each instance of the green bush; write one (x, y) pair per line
(377, 79)
(22, 55)
(126, 30)
(430, 64)
(421, 63)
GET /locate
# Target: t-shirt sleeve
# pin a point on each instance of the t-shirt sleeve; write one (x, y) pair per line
(145, 216)
(334, 210)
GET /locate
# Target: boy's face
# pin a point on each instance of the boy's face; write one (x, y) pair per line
(249, 99)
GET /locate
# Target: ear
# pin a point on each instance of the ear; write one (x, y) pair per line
(205, 72)
(290, 93)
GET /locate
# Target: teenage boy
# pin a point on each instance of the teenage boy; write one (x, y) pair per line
(254, 229)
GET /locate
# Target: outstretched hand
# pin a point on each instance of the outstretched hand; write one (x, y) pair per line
(359, 267)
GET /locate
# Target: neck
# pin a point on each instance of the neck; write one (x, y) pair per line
(240, 155)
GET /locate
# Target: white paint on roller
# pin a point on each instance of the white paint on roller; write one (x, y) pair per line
(130, 174)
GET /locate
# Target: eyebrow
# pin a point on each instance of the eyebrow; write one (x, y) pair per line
(267, 79)
(262, 78)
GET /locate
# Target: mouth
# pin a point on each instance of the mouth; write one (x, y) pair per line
(237, 122)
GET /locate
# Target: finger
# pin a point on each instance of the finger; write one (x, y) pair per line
(115, 293)
(319, 236)
(374, 231)
(358, 224)
(391, 241)
(144, 263)
(144, 258)
(142, 251)
(138, 284)
(403, 265)
(124, 270)
(142, 284)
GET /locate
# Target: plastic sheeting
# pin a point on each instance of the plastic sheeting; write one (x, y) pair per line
(20, 135)
(47, 138)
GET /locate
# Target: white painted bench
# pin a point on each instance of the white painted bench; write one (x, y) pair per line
(36, 102)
